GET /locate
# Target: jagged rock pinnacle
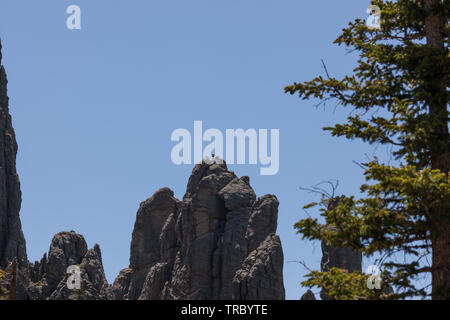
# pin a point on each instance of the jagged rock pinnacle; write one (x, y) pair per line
(12, 241)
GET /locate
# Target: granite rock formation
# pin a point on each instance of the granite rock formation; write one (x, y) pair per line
(308, 295)
(219, 242)
(12, 241)
(48, 278)
(336, 257)
(342, 258)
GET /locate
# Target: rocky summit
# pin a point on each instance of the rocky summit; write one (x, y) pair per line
(219, 242)
(48, 278)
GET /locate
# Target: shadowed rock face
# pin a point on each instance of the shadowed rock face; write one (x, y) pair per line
(49, 276)
(342, 258)
(12, 241)
(150, 220)
(308, 295)
(218, 243)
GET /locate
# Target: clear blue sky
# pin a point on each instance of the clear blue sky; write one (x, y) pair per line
(94, 109)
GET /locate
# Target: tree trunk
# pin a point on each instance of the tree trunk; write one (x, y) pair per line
(435, 23)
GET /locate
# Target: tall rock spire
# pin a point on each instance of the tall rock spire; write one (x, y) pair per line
(12, 241)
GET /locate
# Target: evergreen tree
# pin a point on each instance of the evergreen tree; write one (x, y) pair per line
(399, 98)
